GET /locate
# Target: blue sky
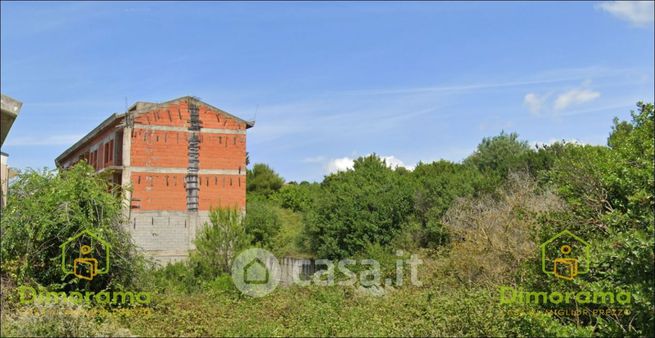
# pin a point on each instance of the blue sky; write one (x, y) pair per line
(328, 82)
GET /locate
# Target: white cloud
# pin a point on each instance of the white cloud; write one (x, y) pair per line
(536, 144)
(575, 96)
(340, 164)
(534, 102)
(394, 163)
(345, 163)
(638, 13)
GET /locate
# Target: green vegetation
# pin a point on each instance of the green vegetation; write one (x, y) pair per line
(262, 222)
(217, 242)
(477, 226)
(365, 205)
(262, 180)
(45, 209)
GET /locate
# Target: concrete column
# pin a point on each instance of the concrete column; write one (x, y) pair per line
(126, 175)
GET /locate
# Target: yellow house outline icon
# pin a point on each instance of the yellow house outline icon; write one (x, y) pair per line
(85, 261)
(571, 263)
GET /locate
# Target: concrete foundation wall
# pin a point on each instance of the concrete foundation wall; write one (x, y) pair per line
(166, 236)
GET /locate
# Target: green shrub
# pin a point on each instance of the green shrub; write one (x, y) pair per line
(494, 234)
(60, 321)
(262, 180)
(367, 204)
(297, 197)
(218, 242)
(262, 222)
(496, 157)
(45, 208)
(178, 277)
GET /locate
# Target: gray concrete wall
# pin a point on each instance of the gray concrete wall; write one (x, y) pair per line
(164, 235)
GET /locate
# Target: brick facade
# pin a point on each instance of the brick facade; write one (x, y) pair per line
(179, 158)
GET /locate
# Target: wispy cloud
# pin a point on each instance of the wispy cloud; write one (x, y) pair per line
(540, 103)
(534, 102)
(552, 76)
(319, 119)
(638, 13)
(462, 87)
(65, 139)
(574, 97)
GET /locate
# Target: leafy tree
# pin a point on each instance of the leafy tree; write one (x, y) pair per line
(367, 204)
(218, 242)
(497, 156)
(262, 222)
(46, 208)
(297, 197)
(543, 159)
(610, 194)
(436, 186)
(630, 182)
(261, 179)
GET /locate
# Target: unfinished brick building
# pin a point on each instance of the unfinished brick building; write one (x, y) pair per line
(180, 158)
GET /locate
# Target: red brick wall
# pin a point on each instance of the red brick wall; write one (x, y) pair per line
(177, 114)
(100, 163)
(174, 114)
(214, 119)
(222, 191)
(158, 191)
(161, 149)
(222, 151)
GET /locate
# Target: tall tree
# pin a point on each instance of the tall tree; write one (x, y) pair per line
(261, 179)
(499, 155)
(365, 205)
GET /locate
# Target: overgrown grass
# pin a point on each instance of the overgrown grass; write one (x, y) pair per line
(440, 307)
(289, 240)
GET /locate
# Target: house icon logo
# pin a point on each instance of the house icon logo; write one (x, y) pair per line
(85, 255)
(256, 272)
(565, 256)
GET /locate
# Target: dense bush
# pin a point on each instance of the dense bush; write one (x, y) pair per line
(610, 194)
(367, 204)
(436, 185)
(261, 179)
(494, 235)
(500, 155)
(60, 321)
(45, 208)
(297, 197)
(218, 242)
(262, 222)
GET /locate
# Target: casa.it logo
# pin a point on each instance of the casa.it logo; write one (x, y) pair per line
(85, 255)
(256, 272)
(565, 256)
